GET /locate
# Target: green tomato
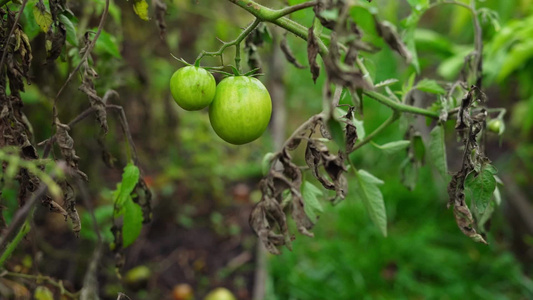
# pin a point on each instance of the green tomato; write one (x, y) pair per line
(220, 294)
(193, 88)
(241, 110)
(496, 126)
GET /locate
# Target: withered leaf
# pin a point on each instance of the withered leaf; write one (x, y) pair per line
(312, 52)
(66, 145)
(303, 222)
(288, 53)
(392, 38)
(160, 10)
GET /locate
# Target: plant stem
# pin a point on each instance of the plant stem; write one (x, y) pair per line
(236, 42)
(400, 107)
(14, 243)
(378, 130)
(48, 279)
(4, 2)
(290, 9)
(266, 14)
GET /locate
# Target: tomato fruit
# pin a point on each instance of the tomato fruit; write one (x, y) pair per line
(220, 294)
(241, 110)
(496, 126)
(193, 88)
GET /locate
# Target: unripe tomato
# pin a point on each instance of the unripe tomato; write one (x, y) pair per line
(220, 294)
(241, 110)
(495, 125)
(193, 88)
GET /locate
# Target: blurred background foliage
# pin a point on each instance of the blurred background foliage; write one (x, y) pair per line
(204, 188)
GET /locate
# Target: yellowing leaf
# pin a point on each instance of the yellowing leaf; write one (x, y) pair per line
(141, 9)
(42, 17)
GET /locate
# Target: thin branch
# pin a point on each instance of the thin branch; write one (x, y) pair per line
(266, 14)
(123, 121)
(48, 279)
(125, 128)
(6, 46)
(290, 9)
(400, 107)
(235, 42)
(377, 131)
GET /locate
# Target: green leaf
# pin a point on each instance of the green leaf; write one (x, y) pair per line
(337, 133)
(130, 177)
(419, 148)
(430, 86)
(392, 147)
(437, 151)
(418, 4)
(409, 174)
(133, 218)
(369, 193)
(42, 17)
(310, 194)
(71, 30)
(43, 293)
(516, 59)
(360, 128)
(267, 161)
(480, 187)
(107, 43)
(141, 9)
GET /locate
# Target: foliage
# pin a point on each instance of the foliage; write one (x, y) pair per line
(364, 62)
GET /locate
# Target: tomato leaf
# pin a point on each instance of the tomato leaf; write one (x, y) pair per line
(480, 187)
(437, 151)
(370, 195)
(311, 194)
(130, 177)
(392, 147)
(430, 86)
(71, 30)
(133, 218)
(336, 132)
(42, 17)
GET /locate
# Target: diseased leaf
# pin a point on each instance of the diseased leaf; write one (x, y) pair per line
(430, 86)
(310, 195)
(133, 219)
(388, 32)
(284, 45)
(437, 151)
(480, 187)
(409, 173)
(367, 190)
(71, 30)
(141, 9)
(336, 133)
(42, 17)
(312, 52)
(419, 148)
(392, 147)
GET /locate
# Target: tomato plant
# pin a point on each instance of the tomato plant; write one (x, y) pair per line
(193, 88)
(241, 110)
